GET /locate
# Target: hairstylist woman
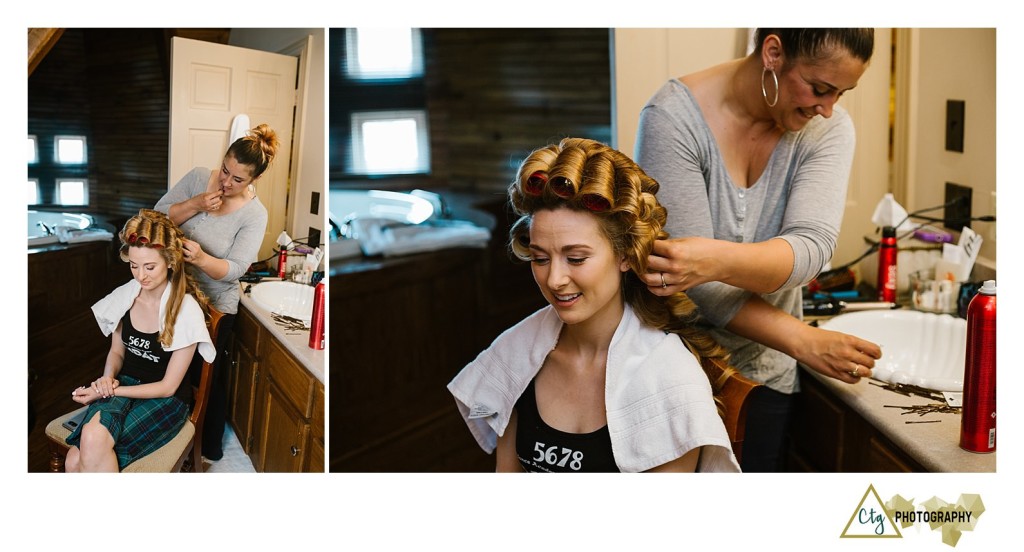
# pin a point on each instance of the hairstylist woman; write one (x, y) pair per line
(224, 222)
(604, 378)
(753, 156)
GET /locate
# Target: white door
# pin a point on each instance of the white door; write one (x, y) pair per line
(211, 84)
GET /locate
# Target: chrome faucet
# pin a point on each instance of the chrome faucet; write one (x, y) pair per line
(50, 231)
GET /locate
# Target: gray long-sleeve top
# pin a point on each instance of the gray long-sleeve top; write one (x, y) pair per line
(799, 197)
(234, 237)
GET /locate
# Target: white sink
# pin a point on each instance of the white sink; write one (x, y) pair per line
(285, 298)
(918, 348)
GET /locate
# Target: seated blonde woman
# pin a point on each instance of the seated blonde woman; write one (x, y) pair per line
(156, 321)
(605, 377)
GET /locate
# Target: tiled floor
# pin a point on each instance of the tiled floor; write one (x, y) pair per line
(234, 460)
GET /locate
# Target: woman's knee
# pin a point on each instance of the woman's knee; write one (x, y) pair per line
(96, 438)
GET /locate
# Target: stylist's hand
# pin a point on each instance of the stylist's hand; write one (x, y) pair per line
(192, 251)
(837, 355)
(209, 201)
(679, 264)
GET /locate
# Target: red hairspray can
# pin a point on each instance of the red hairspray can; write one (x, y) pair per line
(316, 322)
(887, 265)
(282, 262)
(978, 416)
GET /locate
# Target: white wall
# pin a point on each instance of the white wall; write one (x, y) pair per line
(308, 175)
(645, 58)
(954, 64)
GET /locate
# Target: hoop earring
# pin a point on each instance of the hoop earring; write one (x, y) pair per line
(764, 92)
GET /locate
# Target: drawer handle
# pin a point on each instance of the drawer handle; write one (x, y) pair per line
(295, 451)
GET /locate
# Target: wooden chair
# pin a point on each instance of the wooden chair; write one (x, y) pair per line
(733, 390)
(182, 453)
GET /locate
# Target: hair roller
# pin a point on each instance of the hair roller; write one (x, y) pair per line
(563, 187)
(595, 202)
(535, 183)
(597, 196)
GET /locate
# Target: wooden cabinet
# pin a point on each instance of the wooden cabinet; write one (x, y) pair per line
(316, 457)
(65, 347)
(828, 436)
(244, 376)
(283, 434)
(275, 402)
(401, 329)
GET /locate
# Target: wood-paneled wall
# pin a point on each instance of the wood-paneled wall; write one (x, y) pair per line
(494, 95)
(58, 104)
(130, 117)
(111, 85)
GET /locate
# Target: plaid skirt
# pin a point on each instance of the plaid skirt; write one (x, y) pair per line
(138, 426)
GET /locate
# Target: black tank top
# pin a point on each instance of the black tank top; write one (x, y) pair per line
(542, 448)
(145, 359)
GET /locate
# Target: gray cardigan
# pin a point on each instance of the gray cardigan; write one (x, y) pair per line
(235, 237)
(799, 198)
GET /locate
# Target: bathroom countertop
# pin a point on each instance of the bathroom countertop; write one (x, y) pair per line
(297, 343)
(935, 445)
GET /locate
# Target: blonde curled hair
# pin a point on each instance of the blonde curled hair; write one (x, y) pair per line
(586, 175)
(155, 230)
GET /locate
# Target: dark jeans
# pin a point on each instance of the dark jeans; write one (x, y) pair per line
(216, 409)
(768, 416)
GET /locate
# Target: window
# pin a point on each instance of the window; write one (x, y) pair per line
(58, 168)
(378, 118)
(383, 53)
(390, 142)
(72, 191)
(70, 150)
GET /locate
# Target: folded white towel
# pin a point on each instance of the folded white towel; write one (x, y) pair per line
(67, 234)
(386, 237)
(189, 328)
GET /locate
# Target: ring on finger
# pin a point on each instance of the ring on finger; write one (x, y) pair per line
(663, 283)
(855, 371)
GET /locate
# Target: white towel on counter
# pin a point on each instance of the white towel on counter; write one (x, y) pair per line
(239, 126)
(658, 399)
(67, 234)
(379, 236)
(189, 328)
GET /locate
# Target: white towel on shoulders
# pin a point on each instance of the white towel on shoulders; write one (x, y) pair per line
(658, 399)
(189, 328)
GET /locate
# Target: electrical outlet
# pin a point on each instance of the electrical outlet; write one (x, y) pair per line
(314, 203)
(957, 215)
(955, 125)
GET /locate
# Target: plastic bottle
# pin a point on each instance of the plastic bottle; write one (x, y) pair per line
(978, 415)
(887, 265)
(316, 321)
